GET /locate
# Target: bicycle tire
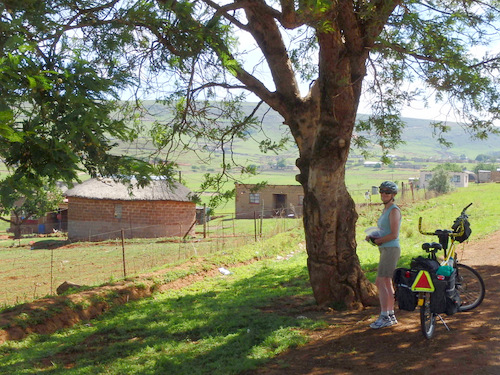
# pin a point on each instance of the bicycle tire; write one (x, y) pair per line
(427, 318)
(471, 287)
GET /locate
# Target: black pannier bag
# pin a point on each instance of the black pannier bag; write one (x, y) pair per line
(445, 298)
(456, 229)
(438, 297)
(403, 279)
(421, 263)
(453, 300)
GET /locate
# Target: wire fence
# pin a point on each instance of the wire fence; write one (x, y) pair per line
(34, 267)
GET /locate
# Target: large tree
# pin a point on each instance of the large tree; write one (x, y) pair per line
(191, 52)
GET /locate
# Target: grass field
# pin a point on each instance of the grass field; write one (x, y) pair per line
(220, 325)
(34, 267)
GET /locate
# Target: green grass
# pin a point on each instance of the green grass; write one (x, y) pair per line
(215, 326)
(25, 273)
(225, 324)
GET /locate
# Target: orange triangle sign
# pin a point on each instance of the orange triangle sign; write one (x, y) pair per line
(423, 282)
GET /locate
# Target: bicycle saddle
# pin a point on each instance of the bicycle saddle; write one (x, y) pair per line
(432, 245)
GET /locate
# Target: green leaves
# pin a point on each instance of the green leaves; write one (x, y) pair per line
(57, 113)
(436, 45)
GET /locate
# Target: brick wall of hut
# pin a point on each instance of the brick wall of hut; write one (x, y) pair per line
(95, 220)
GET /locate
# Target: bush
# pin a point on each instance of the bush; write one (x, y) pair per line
(440, 182)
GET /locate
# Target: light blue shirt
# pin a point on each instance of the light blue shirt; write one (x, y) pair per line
(385, 225)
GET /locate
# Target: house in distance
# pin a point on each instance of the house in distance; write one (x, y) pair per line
(268, 201)
(100, 209)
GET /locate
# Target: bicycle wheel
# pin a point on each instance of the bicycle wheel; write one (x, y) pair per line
(471, 287)
(427, 318)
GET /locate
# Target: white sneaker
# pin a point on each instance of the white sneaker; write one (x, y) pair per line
(393, 319)
(381, 322)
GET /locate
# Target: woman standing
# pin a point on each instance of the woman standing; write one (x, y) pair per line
(390, 251)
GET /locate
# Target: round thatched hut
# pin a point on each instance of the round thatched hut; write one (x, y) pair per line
(100, 209)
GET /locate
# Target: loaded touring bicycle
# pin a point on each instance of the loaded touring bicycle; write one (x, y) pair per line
(436, 288)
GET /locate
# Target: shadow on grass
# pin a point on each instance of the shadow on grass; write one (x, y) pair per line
(48, 244)
(221, 330)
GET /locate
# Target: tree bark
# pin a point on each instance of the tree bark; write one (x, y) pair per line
(330, 223)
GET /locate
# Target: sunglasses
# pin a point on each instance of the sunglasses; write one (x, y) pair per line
(383, 191)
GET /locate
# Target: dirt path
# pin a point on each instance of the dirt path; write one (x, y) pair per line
(348, 346)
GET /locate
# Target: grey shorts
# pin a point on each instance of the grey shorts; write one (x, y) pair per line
(389, 257)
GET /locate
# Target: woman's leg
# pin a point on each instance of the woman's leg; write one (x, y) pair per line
(385, 293)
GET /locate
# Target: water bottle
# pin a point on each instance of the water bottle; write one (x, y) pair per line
(450, 262)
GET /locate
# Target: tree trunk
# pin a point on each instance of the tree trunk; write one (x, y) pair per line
(322, 125)
(329, 211)
(17, 231)
(330, 229)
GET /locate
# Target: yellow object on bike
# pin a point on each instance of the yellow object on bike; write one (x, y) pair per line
(423, 282)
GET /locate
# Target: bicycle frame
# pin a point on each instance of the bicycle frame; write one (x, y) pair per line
(445, 236)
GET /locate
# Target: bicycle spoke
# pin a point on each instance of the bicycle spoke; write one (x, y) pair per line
(471, 287)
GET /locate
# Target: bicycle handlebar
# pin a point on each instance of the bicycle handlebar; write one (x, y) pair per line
(448, 232)
(465, 209)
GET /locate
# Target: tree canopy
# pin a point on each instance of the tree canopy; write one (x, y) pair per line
(23, 201)
(309, 60)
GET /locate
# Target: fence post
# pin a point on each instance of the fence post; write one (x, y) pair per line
(123, 253)
(51, 270)
(204, 220)
(261, 217)
(255, 225)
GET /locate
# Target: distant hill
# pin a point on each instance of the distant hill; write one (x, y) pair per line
(421, 142)
(418, 135)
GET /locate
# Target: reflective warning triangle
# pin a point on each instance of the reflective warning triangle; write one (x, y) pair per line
(423, 282)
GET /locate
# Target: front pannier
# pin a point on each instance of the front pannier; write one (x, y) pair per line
(453, 300)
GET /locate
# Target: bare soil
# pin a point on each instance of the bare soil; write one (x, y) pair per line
(349, 346)
(346, 345)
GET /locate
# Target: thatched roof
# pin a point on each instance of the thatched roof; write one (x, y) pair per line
(106, 188)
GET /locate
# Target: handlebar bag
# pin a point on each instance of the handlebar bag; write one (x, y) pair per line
(456, 229)
(403, 279)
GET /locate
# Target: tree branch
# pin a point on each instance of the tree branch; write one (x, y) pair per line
(377, 16)
(223, 10)
(265, 31)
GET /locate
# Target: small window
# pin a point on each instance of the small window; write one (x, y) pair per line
(254, 198)
(456, 178)
(118, 211)
(301, 200)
